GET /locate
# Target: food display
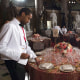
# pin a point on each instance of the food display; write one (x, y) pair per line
(63, 47)
(36, 35)
(54, 60)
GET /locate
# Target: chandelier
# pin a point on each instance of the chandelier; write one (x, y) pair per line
(72, 1)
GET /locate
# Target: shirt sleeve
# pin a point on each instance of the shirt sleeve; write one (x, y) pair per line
(5, 49)
(30, 51)
(66, 30)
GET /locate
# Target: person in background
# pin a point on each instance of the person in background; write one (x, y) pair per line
(59, 29)
(60, 34)
(64, 30)
(14, 48)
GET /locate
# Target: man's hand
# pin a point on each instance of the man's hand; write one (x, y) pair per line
(38, 60)
(24, 56)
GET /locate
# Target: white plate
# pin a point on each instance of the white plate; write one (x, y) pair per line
(32, 60)
(46, 66)
(38, 53)
(61, 68)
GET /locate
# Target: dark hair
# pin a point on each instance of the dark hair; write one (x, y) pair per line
(26, 10)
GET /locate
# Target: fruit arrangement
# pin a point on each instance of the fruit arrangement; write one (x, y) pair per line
(63, 47)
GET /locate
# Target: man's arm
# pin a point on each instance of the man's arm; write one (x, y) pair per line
(30, 51)
(60, 31)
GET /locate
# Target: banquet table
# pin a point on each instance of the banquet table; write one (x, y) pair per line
(39, 43)
(52, 74)
(71, 38)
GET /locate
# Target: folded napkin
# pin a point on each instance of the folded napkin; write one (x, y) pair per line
(67, 67)
(46, 66)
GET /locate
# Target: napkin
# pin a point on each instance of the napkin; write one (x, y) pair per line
(47, 65)
(67, 67)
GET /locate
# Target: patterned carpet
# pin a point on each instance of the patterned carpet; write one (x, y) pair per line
(4, 74)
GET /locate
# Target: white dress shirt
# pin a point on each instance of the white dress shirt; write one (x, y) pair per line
(59, 29)
(12, 43)
(64, 30)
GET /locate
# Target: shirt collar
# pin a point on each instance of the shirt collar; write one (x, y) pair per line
(16, 20)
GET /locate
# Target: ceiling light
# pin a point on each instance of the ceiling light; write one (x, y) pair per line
(20, 0)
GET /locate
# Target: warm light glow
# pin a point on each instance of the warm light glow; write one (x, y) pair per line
(72, 2)
(69, 2)
(36, 6)
(48, 24)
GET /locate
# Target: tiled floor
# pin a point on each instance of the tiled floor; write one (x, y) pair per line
(4, 74)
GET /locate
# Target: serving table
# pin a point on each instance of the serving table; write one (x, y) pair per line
(39, 43)
(57, 60)
(71, 38)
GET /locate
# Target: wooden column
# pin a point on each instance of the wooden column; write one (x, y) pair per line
(64, 9)
(5, 2)
(38, 10)
(3, 7)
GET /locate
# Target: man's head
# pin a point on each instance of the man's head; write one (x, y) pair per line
(25, 15)
(64, 26)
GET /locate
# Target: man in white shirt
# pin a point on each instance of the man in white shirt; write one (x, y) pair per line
(64, 30)
(59, 29)
(14, 47)
(59, 34)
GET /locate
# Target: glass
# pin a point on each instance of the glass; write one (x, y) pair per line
(58, 58)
